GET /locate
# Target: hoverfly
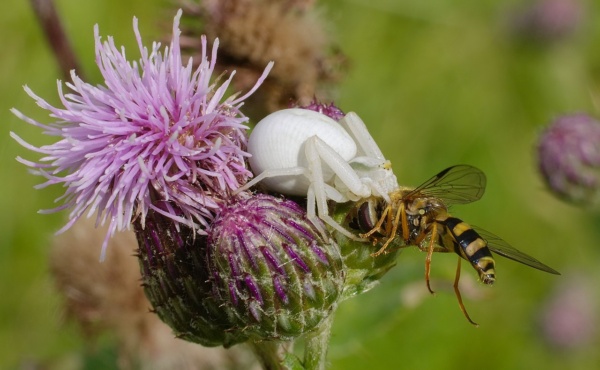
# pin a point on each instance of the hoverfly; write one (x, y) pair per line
(420, 217)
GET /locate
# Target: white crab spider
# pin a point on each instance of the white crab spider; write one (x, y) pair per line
(302, 152)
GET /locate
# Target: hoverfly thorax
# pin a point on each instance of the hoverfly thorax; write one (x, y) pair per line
(416, 218)
(426, 206)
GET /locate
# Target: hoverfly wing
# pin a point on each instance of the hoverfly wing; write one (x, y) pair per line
(502, 248)
(459, 184)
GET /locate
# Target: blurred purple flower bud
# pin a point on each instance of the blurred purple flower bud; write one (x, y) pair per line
(569, 158)
(276, 275)
(159, 130)
(569, 319)
(548, 20)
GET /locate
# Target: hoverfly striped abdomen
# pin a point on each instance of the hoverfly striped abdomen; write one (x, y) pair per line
(472, 247)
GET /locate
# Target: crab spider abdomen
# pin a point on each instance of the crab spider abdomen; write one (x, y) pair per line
(278, 142)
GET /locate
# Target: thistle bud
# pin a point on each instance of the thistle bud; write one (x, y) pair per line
(363, 270)
(569, 158)
(277, 276)
(330, 110)
(548, 21)
(175, 280)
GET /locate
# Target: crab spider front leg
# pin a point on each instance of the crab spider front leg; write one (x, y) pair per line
(378, 175)
(317, 151)
(361, 135)
(292, 171)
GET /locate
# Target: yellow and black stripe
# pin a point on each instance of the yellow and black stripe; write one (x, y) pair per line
(472, 247)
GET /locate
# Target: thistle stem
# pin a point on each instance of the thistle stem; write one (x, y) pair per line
(315, 350)
(270, 354)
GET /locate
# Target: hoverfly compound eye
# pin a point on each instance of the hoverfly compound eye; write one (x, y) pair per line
(367, 216)
(305, 153)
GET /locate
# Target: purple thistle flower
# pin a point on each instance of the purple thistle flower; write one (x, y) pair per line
(548, 20)
(569, 320)
(158, 131)
(569, 158)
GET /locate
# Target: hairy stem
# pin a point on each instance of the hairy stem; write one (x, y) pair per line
(315, 350)
(270, 354)
(59, 43)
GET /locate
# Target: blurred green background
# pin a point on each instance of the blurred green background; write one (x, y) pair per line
(438, 83)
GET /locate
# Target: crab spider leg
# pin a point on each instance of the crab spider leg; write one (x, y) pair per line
(358, 130)
(371, 156)
(317, 150)
(311, 214)
(317, 180)
(334, 195)
(292, 171)
(377, 189)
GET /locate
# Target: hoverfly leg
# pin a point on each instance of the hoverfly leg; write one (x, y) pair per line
(391, 234)
(402, 218)
(377, 227)
(429, 255)
(384, 249)
(459, 297)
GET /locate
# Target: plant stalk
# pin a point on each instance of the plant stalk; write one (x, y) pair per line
(269, 353)
(317, 343)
